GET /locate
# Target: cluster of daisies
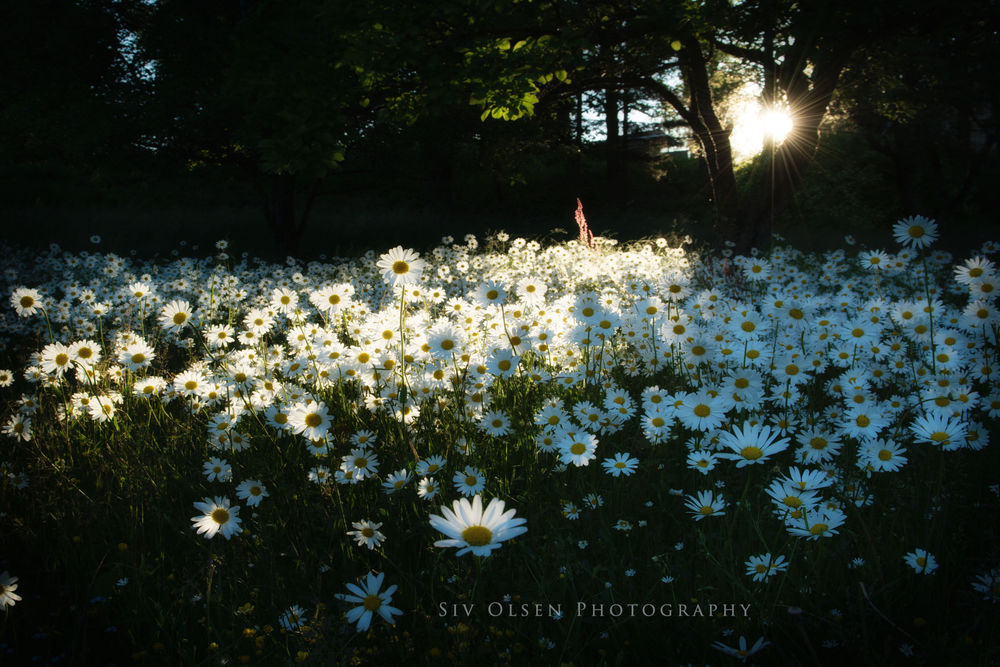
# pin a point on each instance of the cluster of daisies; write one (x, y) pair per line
(791, 362)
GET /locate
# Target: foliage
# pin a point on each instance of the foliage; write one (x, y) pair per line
(621, 337)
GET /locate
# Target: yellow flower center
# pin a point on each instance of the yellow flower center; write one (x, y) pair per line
(190, 385)
(916, 231)
(400, 267)
(862, 421)
(220, 516)
(313, 420)
(62, 359)
(372, 602)
(939, 436)
(477, 536)
(702, 410)
(884, 455)
(180, 318)
(27, 302)
(706, 510)
(819, 528)
(578, 448)
(471, 480)
(751, 452)
(138, 358)
(793, 501)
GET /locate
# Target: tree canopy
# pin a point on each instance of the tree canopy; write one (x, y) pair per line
(294, 93)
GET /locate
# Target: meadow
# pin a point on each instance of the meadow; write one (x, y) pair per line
(506, 451)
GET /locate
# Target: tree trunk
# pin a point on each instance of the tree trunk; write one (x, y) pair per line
(287, 227)
(280, 212)
(614, 156)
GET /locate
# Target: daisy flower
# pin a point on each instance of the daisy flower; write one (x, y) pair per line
(18, 427)
(881, 456)
(427, 488)
(469, 482)
(430, 465)
(56, 359)
(26, 301)
(702, 411)
(741, 650)
(988, 584)
(320, 475)
(139, 290)
(804, 479)
(137, 354)
(570, 511)
(251, 491)
(787, 498)
(217, 517)
(370, 601)
(495, 423)
(762, 567)
(817, 445)
(474, 530)
(915, 232)
(175, 315)
(218, 469)
(219, 335)
(816, 523)
(312, 420)
(702, 460)
(577, 449)
(974, 268)
(873, 260)
(621, 464)
(940, 431)
(85, 352)
(149, 386)
(396, 481)
(444, 340)
(705, 504)
(8, 585)
(367, 533)
(400, 267)
(292, 618)
(753, 444)
(921, 561)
